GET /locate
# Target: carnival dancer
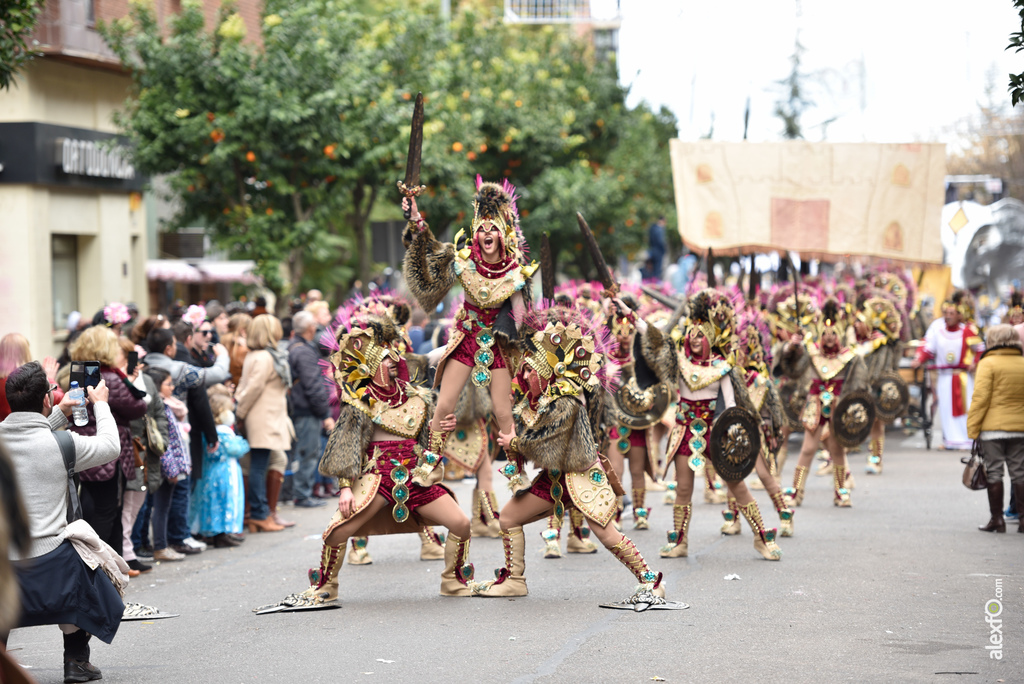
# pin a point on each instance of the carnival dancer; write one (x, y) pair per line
(396, 309)
(954, 344)
(876, 333)
(752, 356)
(632, 413)
(381, 437)
(829, 369)
(790, 312)
(491, 268)
(558, 395)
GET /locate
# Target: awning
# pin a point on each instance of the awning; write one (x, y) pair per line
(228, 271)
(173, 270)
(178, 271)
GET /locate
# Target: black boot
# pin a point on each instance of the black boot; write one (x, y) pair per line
(995, 507)
(77, 667)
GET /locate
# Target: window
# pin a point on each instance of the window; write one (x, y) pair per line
(90, 13)
(65, 278)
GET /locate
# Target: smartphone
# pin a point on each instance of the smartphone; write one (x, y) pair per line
(86, 373)
(133, 361)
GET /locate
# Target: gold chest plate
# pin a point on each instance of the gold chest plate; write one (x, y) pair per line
(828, 368)
(698, 377)
(405, 420)
(486, 292)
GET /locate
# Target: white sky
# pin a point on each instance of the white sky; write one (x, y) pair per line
(927, 63)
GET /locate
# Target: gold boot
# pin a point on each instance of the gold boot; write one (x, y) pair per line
(841, 496)
(640, 512)
(457, 576)
(785, 515)
(732, 518)
(764, 540)
(677, 546)
(553, 537)
(511, 580)
(357, 553)
(714, 491)
(323, 583)
(579, 536)
(669, 497)
(484, 521)
(431, 470)
(874, 466)
(431, 545)
(795, 494)
(629, 555)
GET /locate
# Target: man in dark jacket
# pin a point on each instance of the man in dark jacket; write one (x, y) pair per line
(310, 407)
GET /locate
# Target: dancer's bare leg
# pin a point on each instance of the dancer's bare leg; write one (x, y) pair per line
(454, 379)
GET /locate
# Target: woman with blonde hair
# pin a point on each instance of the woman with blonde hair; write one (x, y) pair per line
(262, 409)
(234, 341)
(15, 352)
(103, 485)
(996, 418)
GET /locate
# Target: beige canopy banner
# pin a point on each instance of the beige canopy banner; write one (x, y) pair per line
(823, 200)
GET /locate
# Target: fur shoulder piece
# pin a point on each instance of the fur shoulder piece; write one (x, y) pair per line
(561, 438)
(349, 440)
(791, 363)
(427, 266)
(856, 377)
(738, 379)
(656, 359)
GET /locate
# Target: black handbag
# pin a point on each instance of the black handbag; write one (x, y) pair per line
(67, 450)
(974, 469)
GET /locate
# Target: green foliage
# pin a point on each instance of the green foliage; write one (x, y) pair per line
(17, 21)
(282, 152)
(1017, 43)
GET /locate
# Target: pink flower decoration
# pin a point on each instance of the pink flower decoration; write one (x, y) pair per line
(195, 316)
(116, 313)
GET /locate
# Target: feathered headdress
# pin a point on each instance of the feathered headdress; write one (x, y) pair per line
(498, 204)
(833, 317)
(712, 313)
(793, 312)
(754, 338)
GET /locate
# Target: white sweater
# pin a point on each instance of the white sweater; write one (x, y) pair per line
(39, 468)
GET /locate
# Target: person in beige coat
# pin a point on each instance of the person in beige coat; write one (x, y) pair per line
(996, 417)
(263, 411)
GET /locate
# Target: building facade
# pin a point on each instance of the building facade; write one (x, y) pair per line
(73, 216)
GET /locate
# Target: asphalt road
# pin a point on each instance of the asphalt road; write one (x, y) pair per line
(893, 589)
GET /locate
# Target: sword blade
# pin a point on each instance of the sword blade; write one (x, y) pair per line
(412, 162)
(547, 268)
(604, 274)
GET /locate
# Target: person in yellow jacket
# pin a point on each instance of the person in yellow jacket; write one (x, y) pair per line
(996, 417)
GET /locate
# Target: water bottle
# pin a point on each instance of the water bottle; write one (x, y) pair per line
(78, 412)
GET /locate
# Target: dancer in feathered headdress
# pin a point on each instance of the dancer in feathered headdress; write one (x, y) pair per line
(876, 332)
(830, 370)
(954, 344)
(558, 395)
(490, 264)
(380, 441)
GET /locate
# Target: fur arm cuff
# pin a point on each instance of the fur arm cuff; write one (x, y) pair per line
(427, 266)
(343, 457)
(561, 439)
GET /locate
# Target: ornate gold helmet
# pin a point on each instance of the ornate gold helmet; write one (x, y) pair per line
(880, 314)
(754, 339)
(833, 317)
(568, 347)
(892, 284)
(620, 325)
(361, 348)
(784, 313)
(497, 204)
(712, 313)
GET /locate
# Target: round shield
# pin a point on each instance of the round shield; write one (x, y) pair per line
(735, 443)
(792, 404)
(853, 417)
(639, 409)
(891, 396)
